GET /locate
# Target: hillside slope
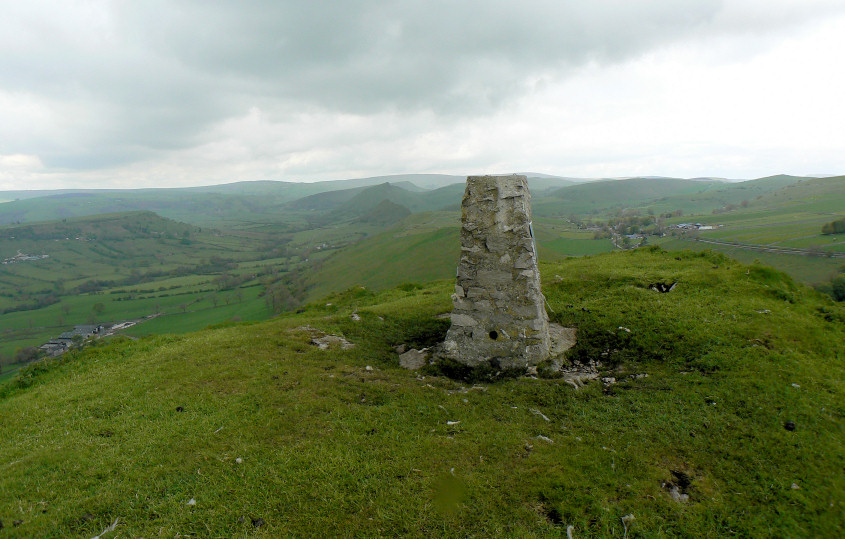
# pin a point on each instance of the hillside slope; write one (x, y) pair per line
(724, 195)
(589, 197)
(728, 393)
(422, 248)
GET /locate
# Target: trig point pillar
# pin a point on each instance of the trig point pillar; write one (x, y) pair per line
(499, 316)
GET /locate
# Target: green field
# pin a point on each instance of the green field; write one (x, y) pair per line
(118, 267)
(577, 247)
(250, 430)
(807, 269)
(248, 238)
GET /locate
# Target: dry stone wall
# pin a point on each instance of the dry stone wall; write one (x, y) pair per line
(499, 317)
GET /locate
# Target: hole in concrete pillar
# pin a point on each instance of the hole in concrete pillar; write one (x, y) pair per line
(494, 335)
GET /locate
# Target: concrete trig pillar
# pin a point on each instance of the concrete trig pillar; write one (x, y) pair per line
(499, 317)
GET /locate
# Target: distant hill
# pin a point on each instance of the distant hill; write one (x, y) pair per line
(385, 213)
(602, 195)
(722, 195)
(816, 194)
(228, 205)
(183, 205)
(116, 226)
(327, 200)
(540, 185)
(364, 200)
(425, 181)
(692, 196)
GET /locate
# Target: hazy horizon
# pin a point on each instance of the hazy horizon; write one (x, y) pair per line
(400, 175)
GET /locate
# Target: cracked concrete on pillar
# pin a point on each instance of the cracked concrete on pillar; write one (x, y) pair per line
(499, 316)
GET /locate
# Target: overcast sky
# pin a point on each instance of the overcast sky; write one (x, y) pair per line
(174, 93)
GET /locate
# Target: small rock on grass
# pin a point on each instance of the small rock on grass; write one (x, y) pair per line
(192, 502)
(414, 359)
(239, 460)
(678, 496)
(789, 425)
(539, 413)
(627, 521)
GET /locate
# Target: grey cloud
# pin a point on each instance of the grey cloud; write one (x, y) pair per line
(444, 55)
(144, 77)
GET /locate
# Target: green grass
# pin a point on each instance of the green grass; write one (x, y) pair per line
(398, 255)
(807, 269)
(575, 247)
(203, 314)
(331, 447)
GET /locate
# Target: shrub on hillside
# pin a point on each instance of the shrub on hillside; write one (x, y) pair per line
(834, 227)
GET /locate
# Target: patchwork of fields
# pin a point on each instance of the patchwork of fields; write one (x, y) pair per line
(246, 252)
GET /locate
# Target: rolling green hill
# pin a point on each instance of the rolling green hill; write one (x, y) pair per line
(224, 206)
(724, 418)
(724, 196)
(202, 209)
(592, 197)
(385, 213)
(789, 217)
(362, 202)
(692, 197)
(421, 248)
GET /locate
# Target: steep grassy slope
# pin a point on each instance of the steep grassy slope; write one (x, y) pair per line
(422, 248)
(251, 430)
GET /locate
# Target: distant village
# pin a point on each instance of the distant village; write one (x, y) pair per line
(693, 226)
(21, 257)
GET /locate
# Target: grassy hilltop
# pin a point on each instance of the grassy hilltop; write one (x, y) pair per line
(729, 390)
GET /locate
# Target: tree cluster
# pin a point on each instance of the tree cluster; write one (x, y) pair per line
(834, 227)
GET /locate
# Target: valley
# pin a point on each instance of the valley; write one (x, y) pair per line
(210, 317)
(189, 258)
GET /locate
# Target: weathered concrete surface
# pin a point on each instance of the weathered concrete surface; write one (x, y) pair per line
(499, 317)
